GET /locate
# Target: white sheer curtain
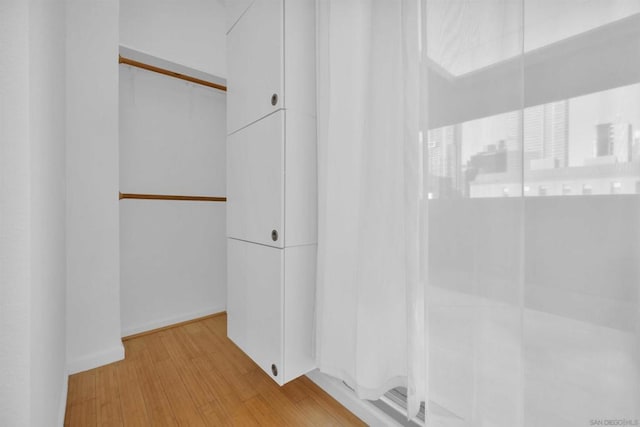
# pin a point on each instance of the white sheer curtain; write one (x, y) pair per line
(492, 265)
(369, 298)
(533, 293)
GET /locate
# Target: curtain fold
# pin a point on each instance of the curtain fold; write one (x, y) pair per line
(369, 298)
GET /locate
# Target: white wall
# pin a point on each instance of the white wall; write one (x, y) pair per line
(14, 214)
(235, 9)
(173, 262)
(173, 253)
(93, 267)
(172, 135)
(187, 32)
(32, 212)
(48, 255)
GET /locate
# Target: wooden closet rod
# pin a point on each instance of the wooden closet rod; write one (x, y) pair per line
(170, 197)
(127, 61)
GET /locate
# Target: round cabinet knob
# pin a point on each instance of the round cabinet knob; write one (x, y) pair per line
(274, 235)
(274, 99)
(274, 370)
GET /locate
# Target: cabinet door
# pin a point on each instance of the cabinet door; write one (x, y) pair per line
(299, 314)
(255, 64)
(254, 303)
(255, 182)
(301, 201)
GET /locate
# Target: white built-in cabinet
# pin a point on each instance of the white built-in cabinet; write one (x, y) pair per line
(271, 183)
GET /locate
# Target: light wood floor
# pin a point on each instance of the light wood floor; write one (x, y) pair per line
(193, 375)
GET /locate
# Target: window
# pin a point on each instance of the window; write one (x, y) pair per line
(616, 187)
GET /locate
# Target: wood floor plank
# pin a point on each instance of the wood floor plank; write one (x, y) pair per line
(73, 388)
(261, 381)
(236, 379)
(227, 401)
(133, 348)
(212, 414)
(82, 414)
(292, 414)
(228, 350)
(316, 414)
(155, 346)
(188, 346)
(263, 412)
(194, 375)
(321, 398)
(199, 391)
(218, 326)
(244, 419)
(206, 340)
(184, 409)
(132, 404)
(82, 386)
(295, 391)
(176, 351)
(156, 402)
(108, 397)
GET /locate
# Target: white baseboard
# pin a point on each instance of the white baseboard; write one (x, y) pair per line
(62, 410)
(96, 360)
(149, 326)
(362, 409)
